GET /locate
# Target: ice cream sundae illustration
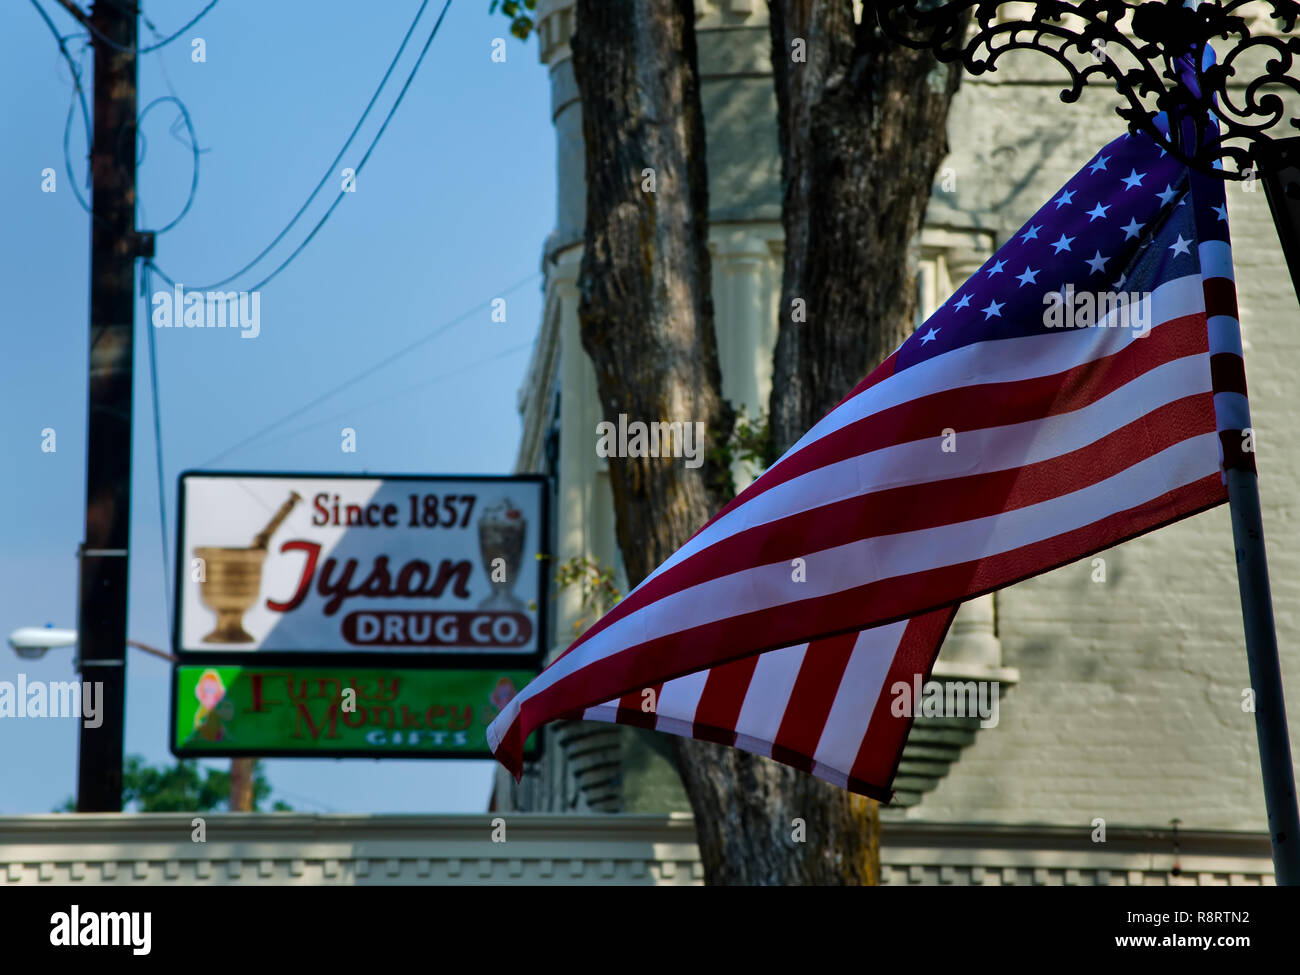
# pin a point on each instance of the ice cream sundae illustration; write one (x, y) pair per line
(233, 578)
(501, 532)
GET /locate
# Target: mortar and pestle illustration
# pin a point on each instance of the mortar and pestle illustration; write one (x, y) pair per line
(233, 578)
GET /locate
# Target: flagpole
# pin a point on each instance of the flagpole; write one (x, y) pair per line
(1265, 676)
(1281, 178)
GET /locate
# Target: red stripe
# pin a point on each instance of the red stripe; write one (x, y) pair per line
(882, 746)
(631, 707)
(721, 700)
(869, 605)
(995, 404)
(1221, 297)
(1228, 373)
(810, 700)
(1234, 457)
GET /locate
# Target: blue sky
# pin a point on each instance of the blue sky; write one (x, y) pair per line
(451, 210)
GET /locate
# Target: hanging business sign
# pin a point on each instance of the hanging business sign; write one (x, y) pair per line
(338, 712)
(446, 569)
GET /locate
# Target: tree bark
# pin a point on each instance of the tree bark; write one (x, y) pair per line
(645, 309)
(862, 125)
(646, 320)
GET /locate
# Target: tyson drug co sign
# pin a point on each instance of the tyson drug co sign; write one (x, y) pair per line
(406, 565)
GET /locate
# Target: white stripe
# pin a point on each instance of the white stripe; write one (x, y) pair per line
(678, 700)
(1216, 259)
(1225, 335)
(857, 696)
(1231, 411)
(832, 775)
(767, 695)
(847, 566)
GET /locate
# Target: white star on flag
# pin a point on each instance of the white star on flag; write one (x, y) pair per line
(1134, 178)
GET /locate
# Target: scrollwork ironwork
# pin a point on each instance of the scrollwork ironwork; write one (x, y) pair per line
(1151, 52)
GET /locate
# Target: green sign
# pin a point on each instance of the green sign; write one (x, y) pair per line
(337, 712)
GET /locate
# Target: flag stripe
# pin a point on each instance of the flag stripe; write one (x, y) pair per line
(810, 700)
(766, 697)
(874, 653)
(875, 764)
(722, 699)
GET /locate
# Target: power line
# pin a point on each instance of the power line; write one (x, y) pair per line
(79, 94)
(158, 455)
(368, 371)
(194, 147)
(84, 19)
(330, 170)
(409, 389)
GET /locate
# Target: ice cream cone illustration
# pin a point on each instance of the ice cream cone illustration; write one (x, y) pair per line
(233, 578)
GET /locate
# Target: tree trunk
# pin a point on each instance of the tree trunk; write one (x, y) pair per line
(862, 126)
(647, 323)
(645, 309)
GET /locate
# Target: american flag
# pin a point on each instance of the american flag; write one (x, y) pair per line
(997, 442)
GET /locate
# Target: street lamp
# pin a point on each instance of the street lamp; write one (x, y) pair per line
(31, 642)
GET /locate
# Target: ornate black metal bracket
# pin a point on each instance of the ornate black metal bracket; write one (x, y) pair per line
(1136, 47)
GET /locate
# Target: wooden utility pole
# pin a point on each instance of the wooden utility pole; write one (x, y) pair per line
(114, 244)
(241, 784)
